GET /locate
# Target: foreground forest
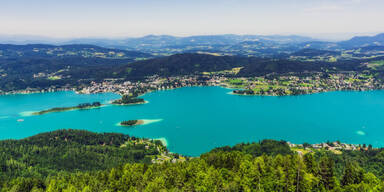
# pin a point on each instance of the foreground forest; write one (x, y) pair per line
(70, 150)
(70, 160)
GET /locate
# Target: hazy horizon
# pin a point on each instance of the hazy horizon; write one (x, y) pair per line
(28, 37)
(325, 19)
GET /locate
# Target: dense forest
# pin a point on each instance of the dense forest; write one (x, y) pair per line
(181, 64)
(69, 151)
(186, 64)
(69, 160)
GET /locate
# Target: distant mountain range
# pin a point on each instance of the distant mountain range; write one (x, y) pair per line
(364, 41)
(246, 45)
(243, 45)
(167, 45)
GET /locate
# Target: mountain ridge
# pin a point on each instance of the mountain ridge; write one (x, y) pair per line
(68, 50)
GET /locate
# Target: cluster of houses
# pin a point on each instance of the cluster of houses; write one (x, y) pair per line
(289, 84)
(152, 83)
(328, 146)
(293, 84)
(37, 90)
(168, 158)
(163, 157)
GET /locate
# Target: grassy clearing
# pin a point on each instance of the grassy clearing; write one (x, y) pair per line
(53, 78)
(233, 71)
(376, 65)
(301, 150)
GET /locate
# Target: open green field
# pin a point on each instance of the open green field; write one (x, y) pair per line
(53, 78)
(376, 65)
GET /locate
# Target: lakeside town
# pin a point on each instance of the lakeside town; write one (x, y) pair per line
(294, 84)
(268, 85)
(153, 83)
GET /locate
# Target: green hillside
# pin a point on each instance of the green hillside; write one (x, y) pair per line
(70, 160)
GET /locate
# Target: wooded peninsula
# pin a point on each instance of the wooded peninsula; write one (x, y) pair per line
(61, 109)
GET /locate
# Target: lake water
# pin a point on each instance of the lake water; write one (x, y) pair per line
(194, 120)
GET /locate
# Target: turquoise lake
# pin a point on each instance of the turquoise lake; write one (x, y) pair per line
(194, 120)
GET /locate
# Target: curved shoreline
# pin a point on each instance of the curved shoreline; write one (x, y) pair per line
(163, 140)
(221, 86)
(27, 113)
(321, 92)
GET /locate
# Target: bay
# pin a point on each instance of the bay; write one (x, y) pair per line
(193, 120)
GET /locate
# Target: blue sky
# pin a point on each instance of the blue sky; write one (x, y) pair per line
(123, 18)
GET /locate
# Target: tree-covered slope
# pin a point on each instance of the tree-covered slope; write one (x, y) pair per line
(70, 151)
(23, 72)
(315, 52)
(181, 64)
(263, 166)
(186, 64)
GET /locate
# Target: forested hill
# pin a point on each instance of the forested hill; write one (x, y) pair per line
(316, 52)
(70, 150)
(185, 64)
(20, 73)
(74, 50)
(182, 64)
(68, 160)
(363, 41)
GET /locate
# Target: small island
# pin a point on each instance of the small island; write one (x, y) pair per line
(128, 100)
(132, 122)
(61, 109)
(244, 92)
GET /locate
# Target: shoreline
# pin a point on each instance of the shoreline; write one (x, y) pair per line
(163, 140)
(319, 92)
(27, 92)
(152, 91)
